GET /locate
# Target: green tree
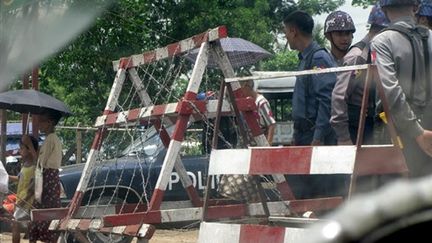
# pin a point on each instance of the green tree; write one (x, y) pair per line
(363, 3)
(82, 75)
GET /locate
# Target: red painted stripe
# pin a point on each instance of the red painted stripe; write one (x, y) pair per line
(174, 49)
(199, 39)
(158, 110)
(289, 160)
(49, 214)
(226, 211)
(111, 119)
(261, 233)
(223, 31)
(84, 224)
(156, 199)
(149, 57)
(125, 63)
(180, 128)
(130, 208)
(132, 230)
(163, 134)
(193, 196)
(252, 122)
(189, 95)
(107, 112)
(133, 114)
(97, 141)
(390, 160)
(319, 204)
(151, 217)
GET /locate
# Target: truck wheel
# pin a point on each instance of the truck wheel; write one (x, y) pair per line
(97, 237)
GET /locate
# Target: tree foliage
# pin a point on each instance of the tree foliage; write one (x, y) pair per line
(363, 3)
(81, 74)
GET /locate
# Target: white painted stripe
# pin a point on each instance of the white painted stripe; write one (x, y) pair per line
(213, 34)
(142, 232)
(54, 224)
(136, 59)
(122, 117)
(187, 44)
(268, 75)
(88, 167)
(95, 224)
(168, 164)
(261, 140)
(279, 178)
(118, 229)
(73, 223)
(229, 161)
(115, 90)
(180, 215)
(219, 233)
(161, 53)
(333, 160)
(146, 112)
(100, 121)
(293, 235)
(170, 108)
(199, 68)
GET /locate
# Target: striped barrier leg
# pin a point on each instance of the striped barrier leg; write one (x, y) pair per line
(184, 178)
(180, 128)
(97, 143)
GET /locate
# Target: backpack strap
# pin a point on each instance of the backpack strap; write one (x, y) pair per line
(424, 33)
(308, 79)
(411, 34)
(360, 45)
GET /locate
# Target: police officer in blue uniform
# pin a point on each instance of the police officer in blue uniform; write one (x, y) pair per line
(311, 102)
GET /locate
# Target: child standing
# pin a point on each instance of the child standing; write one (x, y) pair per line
(49, 158)
(25, 190)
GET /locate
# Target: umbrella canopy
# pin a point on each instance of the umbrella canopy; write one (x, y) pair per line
(31, 101)
(240, 52)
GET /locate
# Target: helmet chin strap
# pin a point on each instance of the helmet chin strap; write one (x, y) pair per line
(333, 44)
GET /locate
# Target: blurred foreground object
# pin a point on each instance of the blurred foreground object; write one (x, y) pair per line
(398, 212)
(31, 30)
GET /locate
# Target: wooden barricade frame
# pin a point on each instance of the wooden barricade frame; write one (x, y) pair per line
(139, 223)
(356, 160)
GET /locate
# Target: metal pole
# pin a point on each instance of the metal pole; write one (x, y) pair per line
(3, 135)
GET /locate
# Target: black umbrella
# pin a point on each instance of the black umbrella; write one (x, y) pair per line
(240, 53)
(31, 101)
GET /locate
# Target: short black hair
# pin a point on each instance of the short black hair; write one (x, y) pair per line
(302, 20)
(53, 115)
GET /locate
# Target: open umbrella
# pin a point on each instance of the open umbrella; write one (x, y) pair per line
(31, 101)
(240, 53)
